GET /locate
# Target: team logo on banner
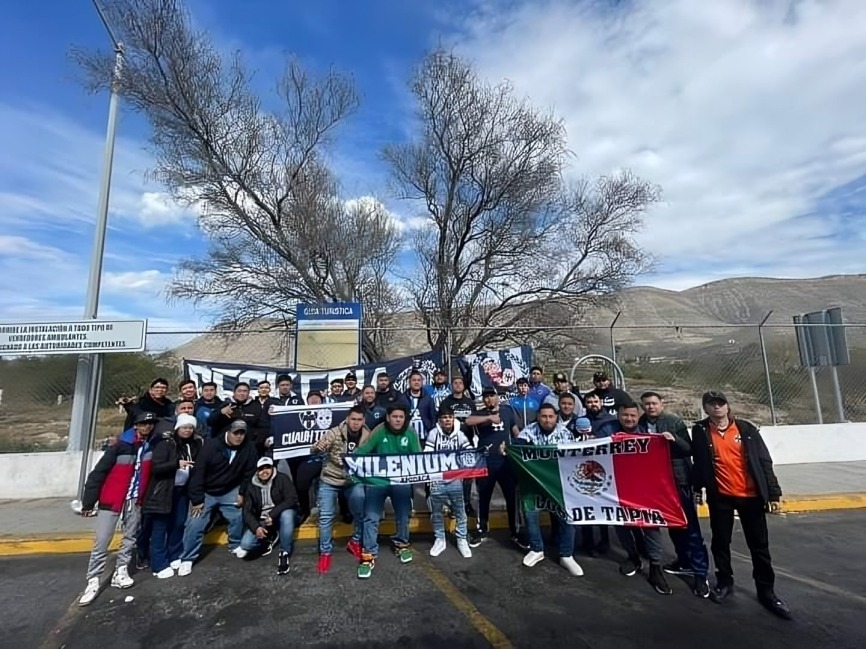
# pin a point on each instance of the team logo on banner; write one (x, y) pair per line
(295, 429)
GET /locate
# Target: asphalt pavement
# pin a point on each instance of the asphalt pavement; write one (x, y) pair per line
(488, 600)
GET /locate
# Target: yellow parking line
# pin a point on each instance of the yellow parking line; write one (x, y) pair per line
(494, 636)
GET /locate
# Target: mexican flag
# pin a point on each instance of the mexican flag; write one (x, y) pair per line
(618, 480)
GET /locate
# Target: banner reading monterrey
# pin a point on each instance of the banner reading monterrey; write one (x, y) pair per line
(619, 480)
(296, 428)
(382, 470)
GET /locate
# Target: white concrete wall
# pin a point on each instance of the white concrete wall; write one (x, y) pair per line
(816, 443)
(55, 475)
(41, 475)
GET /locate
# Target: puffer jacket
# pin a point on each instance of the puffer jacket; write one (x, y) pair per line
(110, 479)
(336, 441)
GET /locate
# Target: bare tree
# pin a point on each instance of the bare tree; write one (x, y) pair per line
(505, 238)
(268, 203)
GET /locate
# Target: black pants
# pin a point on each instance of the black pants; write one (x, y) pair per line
(498, 473)
(587, 533)
(754, 521)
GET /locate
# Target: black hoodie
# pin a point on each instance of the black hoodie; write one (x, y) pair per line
(146, 403)
(216, 473)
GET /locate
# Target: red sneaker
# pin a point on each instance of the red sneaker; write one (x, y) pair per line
(353, 547)
(324, 564)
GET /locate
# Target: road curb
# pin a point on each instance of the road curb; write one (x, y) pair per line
(72, 543)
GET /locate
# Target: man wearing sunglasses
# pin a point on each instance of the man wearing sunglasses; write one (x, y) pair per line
(223, 471)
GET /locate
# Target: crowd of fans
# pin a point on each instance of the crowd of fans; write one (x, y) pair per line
(179, 466)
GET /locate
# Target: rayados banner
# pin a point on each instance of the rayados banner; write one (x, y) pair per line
(296, 428)
(412, 468)
(619, 480)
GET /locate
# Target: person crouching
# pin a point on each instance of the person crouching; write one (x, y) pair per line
(270, 515)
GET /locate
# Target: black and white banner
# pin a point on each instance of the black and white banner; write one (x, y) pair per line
(296, 428)
(498, 368)
(227, 375)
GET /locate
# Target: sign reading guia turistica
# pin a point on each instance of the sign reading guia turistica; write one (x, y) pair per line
(80, 337)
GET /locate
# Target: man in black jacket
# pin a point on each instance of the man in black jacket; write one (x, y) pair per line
(733, 464)
(154, 400)
(239, 406)
(221, 475)
(386, 395)
(270, 514)
(692, 557)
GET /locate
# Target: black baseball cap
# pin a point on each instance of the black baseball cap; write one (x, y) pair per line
(714, 395)
(145, 418)
(600, 376)
(486, 392)
(351, 377)
(337, 380)
(559, 376)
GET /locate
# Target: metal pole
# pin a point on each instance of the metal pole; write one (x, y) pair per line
(612, 341)
(93, 397)
(767, 367)
(837, 390)
(87, 377)
(815, 395)
(449, 341)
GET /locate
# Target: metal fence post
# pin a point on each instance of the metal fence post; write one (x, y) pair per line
(612, 340)
(767, 367)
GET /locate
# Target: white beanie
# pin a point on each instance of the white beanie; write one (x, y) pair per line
(186, 420)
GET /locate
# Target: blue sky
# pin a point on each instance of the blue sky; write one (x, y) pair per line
(748, 114)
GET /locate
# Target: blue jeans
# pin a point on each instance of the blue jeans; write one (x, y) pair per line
(451, 494)
(166, 540)
(194, 532)
(374, 509)
(287, 524)
(328, 497)
(565, 536)
(689, 541)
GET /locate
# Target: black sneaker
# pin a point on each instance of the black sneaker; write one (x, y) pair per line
(630, 567)
(284, 565)
(721, 592)
(141, 563)
(675, 568)
(272, 541)
(657, 580)
(517, 540)
(775, 605)
(477, 538)
(701, 588)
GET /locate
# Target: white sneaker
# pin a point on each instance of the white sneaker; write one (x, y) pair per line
(438, 548)
(463, 548)
(121, 578)
(184, 568)
(90, 592)
(175, 565)
(166, 573)
(239, 552)
(572, 566)
(532, 558)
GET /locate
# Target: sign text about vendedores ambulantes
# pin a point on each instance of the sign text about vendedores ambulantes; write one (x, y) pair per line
(82, 337)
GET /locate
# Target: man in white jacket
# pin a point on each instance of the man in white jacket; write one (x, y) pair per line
(446, 435)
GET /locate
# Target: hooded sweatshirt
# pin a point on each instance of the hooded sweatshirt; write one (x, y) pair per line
(268, 499)
(384, 441)
(439, 440)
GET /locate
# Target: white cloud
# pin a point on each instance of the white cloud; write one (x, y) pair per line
(50, 169)
(401, 222)
(146, 281)
(745, 112)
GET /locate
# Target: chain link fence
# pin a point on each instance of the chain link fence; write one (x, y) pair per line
(758, 367)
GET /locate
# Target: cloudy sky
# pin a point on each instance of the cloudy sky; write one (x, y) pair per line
(749, 114)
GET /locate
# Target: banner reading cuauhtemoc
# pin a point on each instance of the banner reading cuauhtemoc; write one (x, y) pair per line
(619, 480)
(410, 468)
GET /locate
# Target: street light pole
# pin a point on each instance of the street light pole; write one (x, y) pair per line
(89, 372)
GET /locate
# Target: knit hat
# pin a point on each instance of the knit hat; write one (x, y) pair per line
(185, 420)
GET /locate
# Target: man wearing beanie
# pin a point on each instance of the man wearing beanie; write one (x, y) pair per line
(222, 474)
